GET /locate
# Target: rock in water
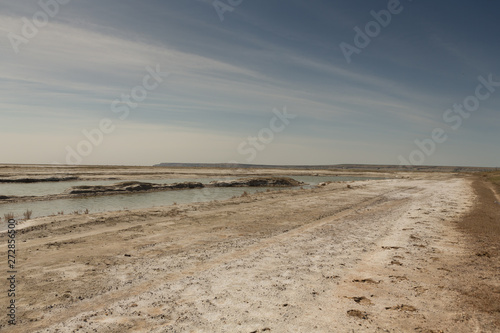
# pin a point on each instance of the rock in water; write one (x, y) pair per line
(257, 182)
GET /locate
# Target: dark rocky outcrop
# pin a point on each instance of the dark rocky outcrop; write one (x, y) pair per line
(186, 185)
(128, 187)
(257, 181)
(133, 186)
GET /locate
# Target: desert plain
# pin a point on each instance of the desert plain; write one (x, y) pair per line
(415, 252)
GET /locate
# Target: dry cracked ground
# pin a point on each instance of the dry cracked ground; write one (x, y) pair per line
(399, 255)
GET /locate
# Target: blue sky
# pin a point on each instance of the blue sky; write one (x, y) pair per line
(225, 78)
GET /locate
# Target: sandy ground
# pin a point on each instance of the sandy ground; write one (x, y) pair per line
(383, 256)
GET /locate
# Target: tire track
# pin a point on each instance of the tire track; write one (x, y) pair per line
(110, 298)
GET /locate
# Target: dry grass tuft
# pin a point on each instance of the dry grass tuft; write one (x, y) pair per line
(27, 214)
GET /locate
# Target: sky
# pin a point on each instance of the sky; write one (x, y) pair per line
(124, 82)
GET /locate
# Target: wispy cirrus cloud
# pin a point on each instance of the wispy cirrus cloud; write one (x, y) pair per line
(225, 79)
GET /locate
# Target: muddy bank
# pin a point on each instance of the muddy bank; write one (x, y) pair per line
(38, 180)
(127, 187)
(133, 186)
(258, 181)
(481, 264)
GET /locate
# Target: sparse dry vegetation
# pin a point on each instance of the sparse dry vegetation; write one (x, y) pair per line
(27, 214)
(8, 216)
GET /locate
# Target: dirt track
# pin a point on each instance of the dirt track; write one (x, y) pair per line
(384, 256)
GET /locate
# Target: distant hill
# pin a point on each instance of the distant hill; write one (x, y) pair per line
(233, 165)
(354, 167)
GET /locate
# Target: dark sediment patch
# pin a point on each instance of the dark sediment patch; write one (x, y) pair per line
(482, 229)
(129, 187)
(257, 181)
(38, 180)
